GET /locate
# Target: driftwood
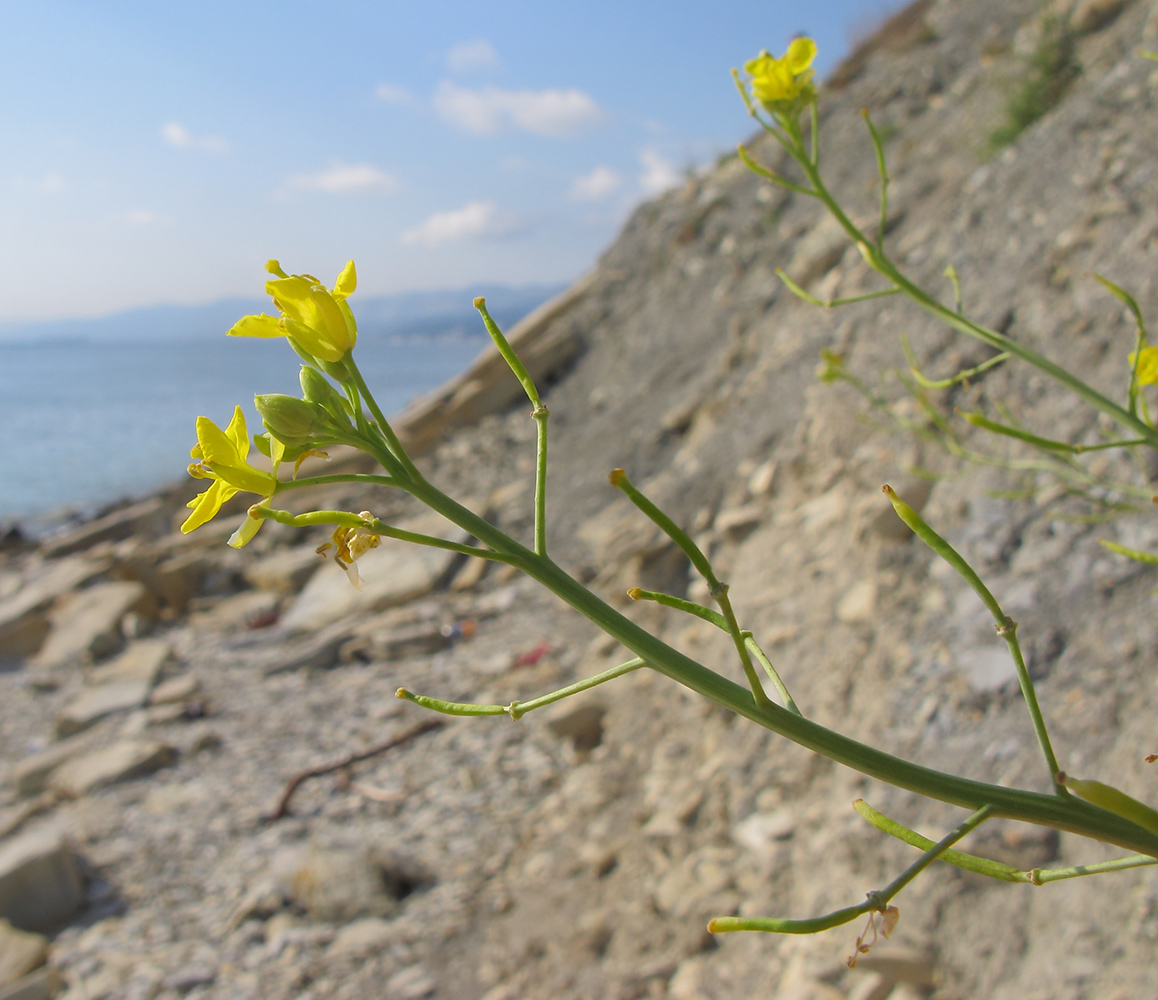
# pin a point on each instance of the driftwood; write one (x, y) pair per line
(282, 807)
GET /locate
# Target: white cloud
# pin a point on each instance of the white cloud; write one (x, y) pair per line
(142, 217)
(596, 185)
(659, 174)
(468, 56)
(392, 94)
(543, 112)
(346, 178)
(52, 183)
(476, 220)
(178, 136)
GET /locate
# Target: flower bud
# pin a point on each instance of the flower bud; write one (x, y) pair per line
(316, 389)
(289, 419)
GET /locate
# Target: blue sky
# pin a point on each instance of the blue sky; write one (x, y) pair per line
(161, 152)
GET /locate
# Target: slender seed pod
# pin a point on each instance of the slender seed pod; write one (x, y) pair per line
(1110, 798)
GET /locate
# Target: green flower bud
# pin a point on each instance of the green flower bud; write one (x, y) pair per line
(318, 390)
(289, 419)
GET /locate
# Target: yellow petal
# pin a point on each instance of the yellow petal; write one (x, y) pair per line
(244, 534)
(800, 54)
(256, 326)
(347, 281)
(237, 433)
(217, 447)
(244, 477)
(207, 505)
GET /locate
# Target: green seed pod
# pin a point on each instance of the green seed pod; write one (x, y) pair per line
(289, 419)
(1110, 798)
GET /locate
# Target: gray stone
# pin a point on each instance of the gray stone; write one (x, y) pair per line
(899, 964)
(23, 623)
(20, 952)
(581, 723)
(148, 515)
(392, 574)
(362, 937)
(874, 986)
(988, 668)
(176, 689)
(178, 579)
(94, 703)
(88, 624)
(30, 775)
(142, 660)
(315, 652)
(286, 571)
(760, 831)
(408, 640)
(40, 881)
(127, 759)
(39, 985)
(738, 522)
(238, 611)
(412, 983)
(336, 885)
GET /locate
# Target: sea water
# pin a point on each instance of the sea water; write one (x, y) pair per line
(83, 424)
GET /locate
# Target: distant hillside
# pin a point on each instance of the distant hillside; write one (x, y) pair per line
(405, 314)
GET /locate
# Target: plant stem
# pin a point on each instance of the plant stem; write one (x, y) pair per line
(392, 441)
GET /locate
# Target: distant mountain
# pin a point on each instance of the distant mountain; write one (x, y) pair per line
(406, 314)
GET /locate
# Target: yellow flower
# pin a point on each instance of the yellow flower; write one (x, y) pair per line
(784, 85)
(222, 456)
(1147, 366)
(317, 318)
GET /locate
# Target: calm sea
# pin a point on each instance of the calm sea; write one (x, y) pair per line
(84, 424)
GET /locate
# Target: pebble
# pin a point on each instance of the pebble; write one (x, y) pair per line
(125, 759)
(40, 880)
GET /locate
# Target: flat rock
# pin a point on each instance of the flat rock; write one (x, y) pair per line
(582, 724)
(760, 831)
(336, 884)
(40, 881)
(142, 660)
(20, 952)
(176, 689)
(123, 760)
(39, 985)
(94, 703)
(392, 574)
(23, 624)
(131, 520)
(363, 937)
(30, 775)
(856, 606)
(312, 652)
(178, 579)
(411, 983)
(87, 625)
(286, 571)
(237, 611)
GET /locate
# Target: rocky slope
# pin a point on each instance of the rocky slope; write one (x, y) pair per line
(160, 690)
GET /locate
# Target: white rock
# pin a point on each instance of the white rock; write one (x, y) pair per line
(141, 661)
(857, 604)
(30, 775)
(94, 703)
(362, 938)
(176, 689)
(87, 625)
(20, 952)
(119, 762)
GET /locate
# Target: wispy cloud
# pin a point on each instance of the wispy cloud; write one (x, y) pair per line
(52, 183)
(553, 113)
(143, 217)
(393, 95)
(476, 220)
(346, 178)
(469, 56)
(179, 137)
(596, 185)
(659, 174)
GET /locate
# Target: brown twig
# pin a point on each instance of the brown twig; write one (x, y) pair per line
(282, 807)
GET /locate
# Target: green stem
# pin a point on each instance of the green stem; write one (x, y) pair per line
(392, 441)
(879, 149)
(517, 709)
(540, 414)
(879, 262)
(1006, 626)
(351, 477)
(1070, 813)
(876, 901)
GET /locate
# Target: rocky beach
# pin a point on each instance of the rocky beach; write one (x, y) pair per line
(160, 692)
